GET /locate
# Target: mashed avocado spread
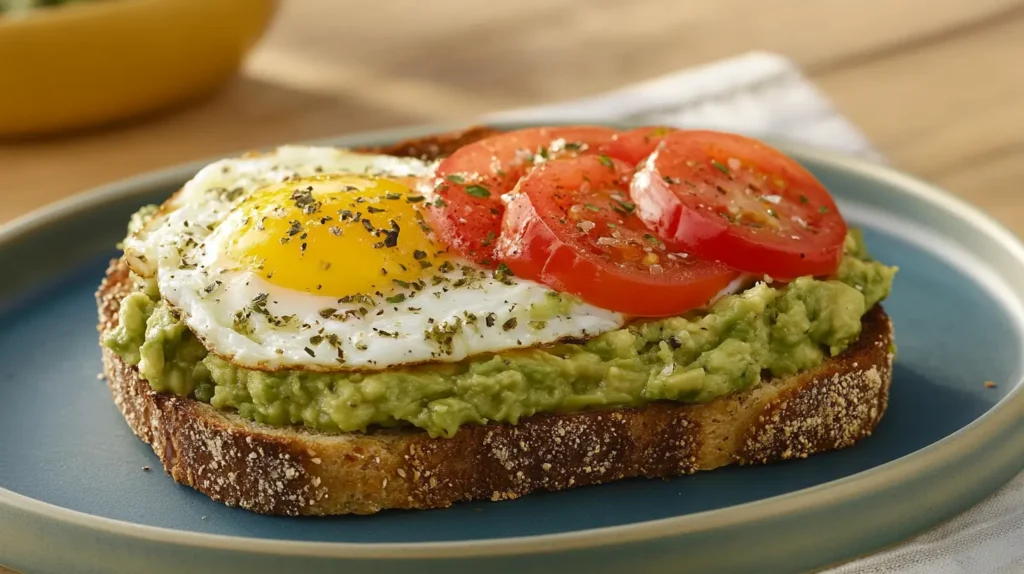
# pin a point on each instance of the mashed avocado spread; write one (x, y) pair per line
(693, 358)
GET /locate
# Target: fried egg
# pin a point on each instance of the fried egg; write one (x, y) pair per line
(319, 259)
(205, 200)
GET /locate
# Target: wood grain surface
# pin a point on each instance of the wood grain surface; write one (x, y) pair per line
(937, 85)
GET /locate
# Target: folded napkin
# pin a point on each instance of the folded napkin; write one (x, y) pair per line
(765, 95)
(757, 94)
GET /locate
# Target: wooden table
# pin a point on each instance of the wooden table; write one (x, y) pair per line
(937, 85)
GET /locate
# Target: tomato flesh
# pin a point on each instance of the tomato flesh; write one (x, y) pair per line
(572, 227)
(635, 145)
(466, 208)
(736, 200)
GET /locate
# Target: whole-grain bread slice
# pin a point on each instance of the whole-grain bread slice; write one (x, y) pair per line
(296, 471)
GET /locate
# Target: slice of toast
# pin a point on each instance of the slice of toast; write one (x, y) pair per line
(297, 471)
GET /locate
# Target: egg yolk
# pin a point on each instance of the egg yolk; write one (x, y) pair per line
(336, 235)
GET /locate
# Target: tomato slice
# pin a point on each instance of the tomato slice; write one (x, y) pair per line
(572, 227)
(466, 208)
(635, 145)
(736, 200)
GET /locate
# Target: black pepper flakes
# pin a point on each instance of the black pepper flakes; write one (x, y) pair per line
(304, 200)
(390, 235)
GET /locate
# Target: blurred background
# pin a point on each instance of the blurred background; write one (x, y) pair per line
(92, 91)
(98, 90)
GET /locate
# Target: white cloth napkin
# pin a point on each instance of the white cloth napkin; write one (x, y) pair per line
(765, 95)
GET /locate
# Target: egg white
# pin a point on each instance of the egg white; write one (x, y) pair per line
(205, 200)
(436, 324)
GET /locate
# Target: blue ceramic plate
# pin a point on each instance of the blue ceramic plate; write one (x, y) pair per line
(74, 495)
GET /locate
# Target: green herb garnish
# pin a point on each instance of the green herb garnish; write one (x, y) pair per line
(478, 191)
(720, 167)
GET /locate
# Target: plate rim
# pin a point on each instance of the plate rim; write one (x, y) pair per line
(1003, 416)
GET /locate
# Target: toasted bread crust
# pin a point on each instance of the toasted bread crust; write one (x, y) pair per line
(435, 146)
(296, 471)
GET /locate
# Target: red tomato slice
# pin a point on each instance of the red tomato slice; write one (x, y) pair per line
(736, 200)
(572, 227)
(466, 212)
(635, 145)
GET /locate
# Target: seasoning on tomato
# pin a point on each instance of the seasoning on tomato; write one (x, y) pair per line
(466, 209)
(572, 227)
(736, 200)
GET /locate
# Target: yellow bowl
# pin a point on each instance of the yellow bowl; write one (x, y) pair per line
(90, 63)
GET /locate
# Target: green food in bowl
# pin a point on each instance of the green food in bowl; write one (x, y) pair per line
(85, 63)
(15, 6)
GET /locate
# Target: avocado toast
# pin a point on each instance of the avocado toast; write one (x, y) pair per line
(763, 373)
